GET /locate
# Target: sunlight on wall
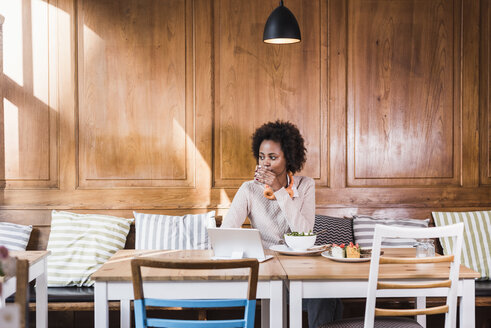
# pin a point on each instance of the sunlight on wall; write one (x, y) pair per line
(224, 199)
(12, 39)
(93, 45)
(201, 163)
(39, 13)
(11, 137)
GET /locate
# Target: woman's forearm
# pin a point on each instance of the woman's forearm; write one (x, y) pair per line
(238, 210)
(300, 213)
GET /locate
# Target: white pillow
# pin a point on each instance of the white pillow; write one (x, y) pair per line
(14, 236)
(364, 226)
(156, 231)
(80, 244)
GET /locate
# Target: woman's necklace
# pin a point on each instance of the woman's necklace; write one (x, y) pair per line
(269, 194)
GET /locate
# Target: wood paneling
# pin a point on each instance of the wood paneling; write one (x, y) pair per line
(136, 111)
(337, 93)
(485, 96)
(257, 82)
(151, 104)
(470, 95)
(28, 102)
(404, 121)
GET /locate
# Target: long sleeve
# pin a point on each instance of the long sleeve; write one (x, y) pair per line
(300, 211)
(239, 209)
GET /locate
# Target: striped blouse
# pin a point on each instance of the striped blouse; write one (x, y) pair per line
(274, 218)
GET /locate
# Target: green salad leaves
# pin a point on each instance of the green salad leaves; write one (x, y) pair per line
(300, 234)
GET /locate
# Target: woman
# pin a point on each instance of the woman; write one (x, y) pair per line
(278, 202)
(279, 149)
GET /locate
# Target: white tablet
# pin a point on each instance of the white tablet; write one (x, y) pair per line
(237, 243)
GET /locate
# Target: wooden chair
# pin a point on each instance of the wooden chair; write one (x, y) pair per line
(377, 317)
(140, 303)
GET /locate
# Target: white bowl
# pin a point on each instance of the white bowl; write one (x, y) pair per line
(300, 243)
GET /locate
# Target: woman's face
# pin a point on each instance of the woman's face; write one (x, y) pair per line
(271, 156)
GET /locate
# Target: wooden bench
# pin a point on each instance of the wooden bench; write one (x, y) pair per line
(71, 298)
(79, 299)
(82, 299)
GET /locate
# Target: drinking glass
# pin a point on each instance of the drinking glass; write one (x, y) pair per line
(425, 248)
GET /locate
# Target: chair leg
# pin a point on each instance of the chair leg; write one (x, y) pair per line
(22, 291)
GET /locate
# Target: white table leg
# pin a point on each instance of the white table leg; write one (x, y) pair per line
(421, 304)
(295, 304)
(285, 312)
(42, 297)
(101, 306)
(468, 304)
(2, 301)
(125, 313)
(276, 304)
(265, 304)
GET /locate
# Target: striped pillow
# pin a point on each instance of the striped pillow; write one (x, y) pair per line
(476, 246)
(363, 227)
(80, 244)
(14, 236)
(155, 231)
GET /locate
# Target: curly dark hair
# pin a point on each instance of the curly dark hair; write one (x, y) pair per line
(290, 139)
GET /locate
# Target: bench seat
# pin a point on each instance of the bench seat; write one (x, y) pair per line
(63, 294)
(483, 288)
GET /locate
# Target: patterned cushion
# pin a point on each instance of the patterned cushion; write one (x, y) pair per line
(382, 322)
(155, 231)
(14, 236)
(476, 246)
(363, 227)
(80, 244)
(339, 230)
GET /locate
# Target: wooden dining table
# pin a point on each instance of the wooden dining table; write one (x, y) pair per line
(320, 277)
(113, 282)
(37, 271)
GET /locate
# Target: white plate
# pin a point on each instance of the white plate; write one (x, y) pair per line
(283, 249)
(345, 259)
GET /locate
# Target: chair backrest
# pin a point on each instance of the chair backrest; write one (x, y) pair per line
(449, 285)
(141, 302)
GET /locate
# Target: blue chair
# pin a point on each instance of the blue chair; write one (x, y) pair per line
(140, 303)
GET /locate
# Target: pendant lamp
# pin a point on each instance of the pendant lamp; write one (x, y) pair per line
(281, 27)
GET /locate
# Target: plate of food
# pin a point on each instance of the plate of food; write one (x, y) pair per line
(299, 243)
(349, 253)
(284, 249)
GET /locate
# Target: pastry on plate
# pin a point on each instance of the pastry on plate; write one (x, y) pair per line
(353, 251)
(338, 251)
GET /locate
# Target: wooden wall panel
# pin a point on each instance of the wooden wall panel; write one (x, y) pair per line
(28, 106)
(404, 121)
(485, 96)
(151, 104)
(257, 82)
(136, 111)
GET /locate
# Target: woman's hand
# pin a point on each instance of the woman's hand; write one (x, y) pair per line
(265, 176)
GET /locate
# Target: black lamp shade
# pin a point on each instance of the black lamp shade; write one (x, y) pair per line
(281, 27)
